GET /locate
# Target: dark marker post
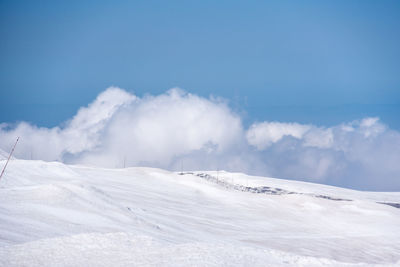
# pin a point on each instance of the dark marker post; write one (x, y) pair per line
(9, 156)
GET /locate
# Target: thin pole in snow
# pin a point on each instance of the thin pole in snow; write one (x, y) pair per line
(182, 167)
(9, 156)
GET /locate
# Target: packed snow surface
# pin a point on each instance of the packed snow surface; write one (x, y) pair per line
(53, 214)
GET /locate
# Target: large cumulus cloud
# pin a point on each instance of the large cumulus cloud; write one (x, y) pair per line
(179, 130)
(158, 130)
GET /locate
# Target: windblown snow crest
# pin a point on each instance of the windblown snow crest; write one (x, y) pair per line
(260, 189)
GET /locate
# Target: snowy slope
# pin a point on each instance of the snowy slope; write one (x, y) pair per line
(53, 214)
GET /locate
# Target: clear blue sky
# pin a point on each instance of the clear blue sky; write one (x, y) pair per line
(321, 62)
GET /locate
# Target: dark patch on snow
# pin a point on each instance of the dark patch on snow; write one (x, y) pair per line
(257, 190)
(332, 198)
(396, 205)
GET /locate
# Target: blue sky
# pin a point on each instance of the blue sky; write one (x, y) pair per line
(320, 62)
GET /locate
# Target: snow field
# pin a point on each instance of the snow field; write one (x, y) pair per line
(53, 214)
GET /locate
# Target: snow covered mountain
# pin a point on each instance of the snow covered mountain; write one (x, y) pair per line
(53, 214)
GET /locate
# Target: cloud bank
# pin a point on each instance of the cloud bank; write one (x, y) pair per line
(180, 130)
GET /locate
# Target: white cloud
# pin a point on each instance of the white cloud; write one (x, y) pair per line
(361, 154)
(177, 128)
(262, 135)
(82, 133)
(154, 130)
(319, 137)
(157, 129)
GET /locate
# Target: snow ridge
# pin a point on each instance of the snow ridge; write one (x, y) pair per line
(257, 190)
